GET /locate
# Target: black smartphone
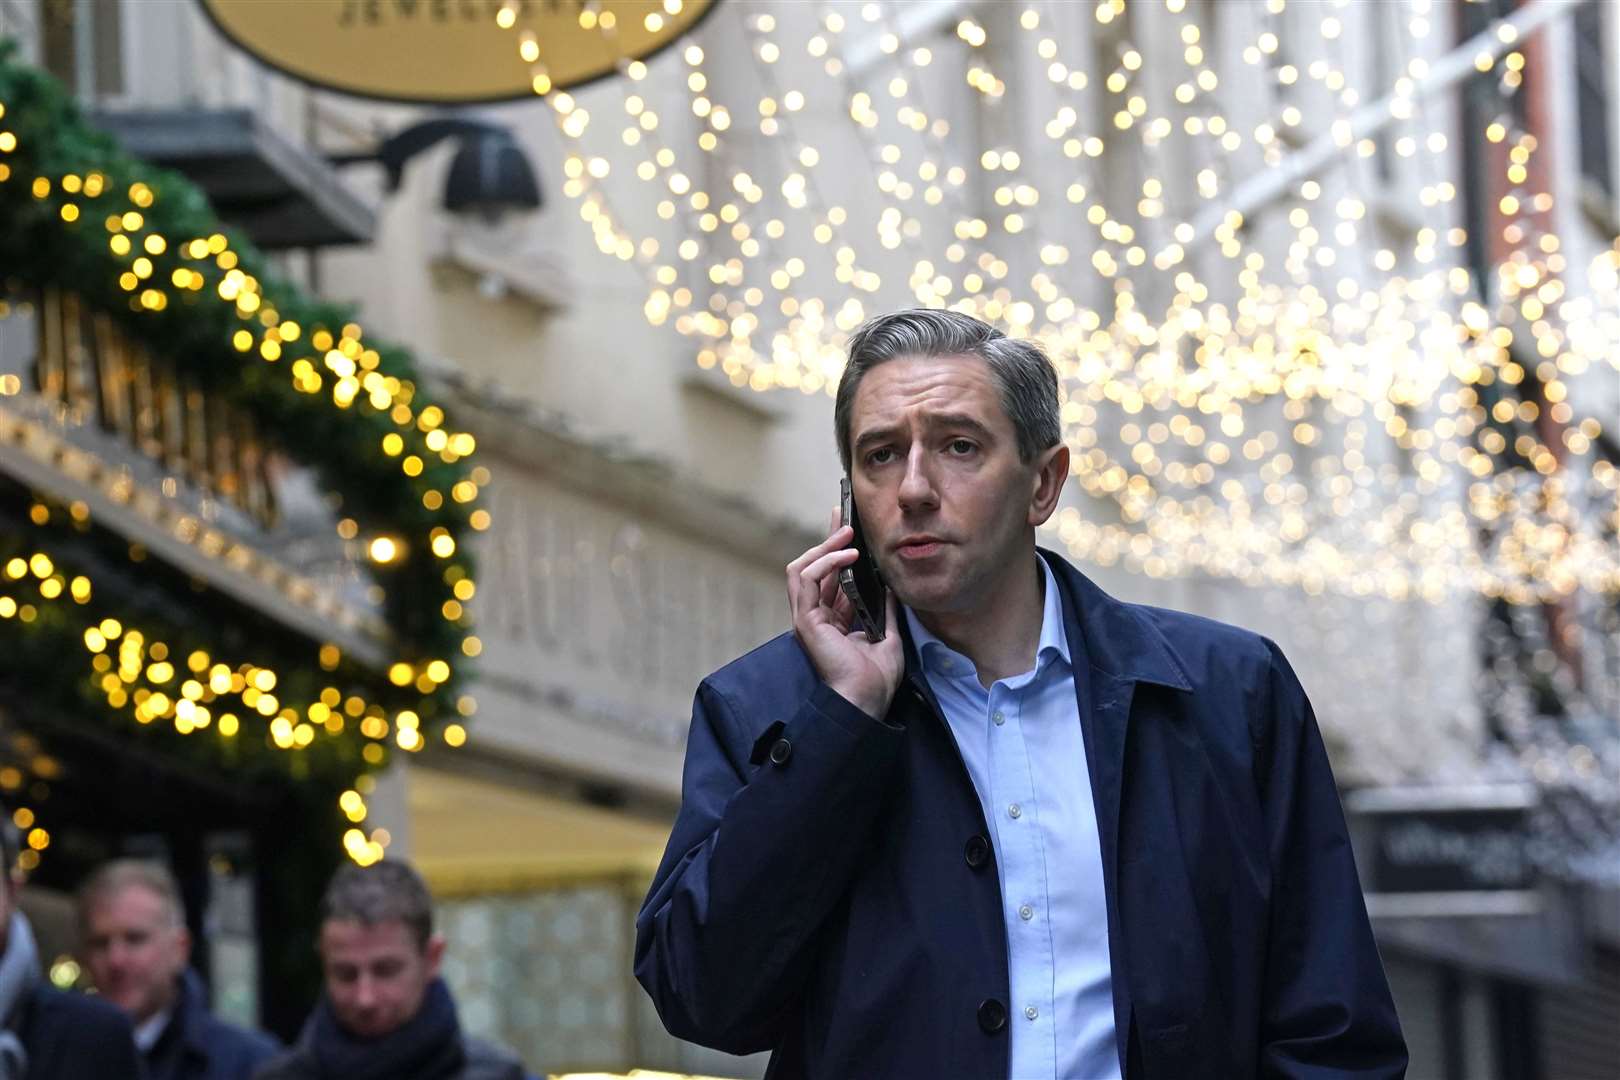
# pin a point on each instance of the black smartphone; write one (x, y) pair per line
(861, 582)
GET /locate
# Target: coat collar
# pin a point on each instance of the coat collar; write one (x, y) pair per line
(1118, 638)
(190, 1020)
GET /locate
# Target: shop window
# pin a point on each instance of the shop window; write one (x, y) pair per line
(1592, 75)
(81, 43)
(1483, 103)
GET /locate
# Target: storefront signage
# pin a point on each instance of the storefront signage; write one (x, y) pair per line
(1439, 842)
(452, 51)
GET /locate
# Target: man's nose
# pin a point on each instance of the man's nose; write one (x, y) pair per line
(917, 491)
(365, 994)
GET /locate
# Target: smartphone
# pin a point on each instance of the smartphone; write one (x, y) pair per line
(861, 582)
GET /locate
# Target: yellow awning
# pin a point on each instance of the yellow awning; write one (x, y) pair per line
(471, 835)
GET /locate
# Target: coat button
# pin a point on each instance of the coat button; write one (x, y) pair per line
(781, 750)
(992, 1016)
(977, 852)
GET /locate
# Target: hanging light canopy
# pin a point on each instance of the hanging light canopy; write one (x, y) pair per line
(1288, 356)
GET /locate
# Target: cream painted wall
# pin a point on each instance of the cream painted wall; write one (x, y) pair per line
(595, 360)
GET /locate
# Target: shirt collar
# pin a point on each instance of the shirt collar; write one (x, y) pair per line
(939, 658)
(150, 1030)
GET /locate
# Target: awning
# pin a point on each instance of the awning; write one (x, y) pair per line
(471, 835)
(276, 191)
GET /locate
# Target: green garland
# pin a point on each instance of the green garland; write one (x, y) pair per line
(45, 636)
(58, 228)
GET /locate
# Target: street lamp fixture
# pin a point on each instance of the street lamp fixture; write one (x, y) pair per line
(489, 176)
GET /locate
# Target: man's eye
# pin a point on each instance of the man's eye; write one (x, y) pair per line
(962, 446)
(881, 456)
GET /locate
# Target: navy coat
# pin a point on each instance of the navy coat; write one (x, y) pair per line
(197, 1045)
(830, 894)
(75, 1037)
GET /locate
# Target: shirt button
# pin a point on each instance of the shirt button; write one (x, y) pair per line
(999, 718)
(1015, 811)
(1026, 913)
(1031, 1013)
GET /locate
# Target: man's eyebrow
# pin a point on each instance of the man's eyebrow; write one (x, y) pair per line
(959, 421)
(962, 422)
(875, 435)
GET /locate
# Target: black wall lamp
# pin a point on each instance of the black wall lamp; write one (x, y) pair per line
(489, 176)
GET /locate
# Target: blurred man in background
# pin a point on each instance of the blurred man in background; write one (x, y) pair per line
(137, 949)
(44, 1033)
(386, 1014)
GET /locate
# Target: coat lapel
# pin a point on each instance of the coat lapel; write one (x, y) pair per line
(1113, 648)
(915, 684)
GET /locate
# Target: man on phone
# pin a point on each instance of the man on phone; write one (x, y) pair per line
(1030, 832)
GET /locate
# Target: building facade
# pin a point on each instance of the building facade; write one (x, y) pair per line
(644, 496)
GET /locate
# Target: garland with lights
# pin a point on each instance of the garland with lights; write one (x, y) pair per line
(142, 245)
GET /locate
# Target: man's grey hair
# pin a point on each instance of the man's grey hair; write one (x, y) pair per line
(382, 892)
(114, 877)
(1026, 378)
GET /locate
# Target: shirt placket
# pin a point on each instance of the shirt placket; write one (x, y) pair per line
(1023, 884)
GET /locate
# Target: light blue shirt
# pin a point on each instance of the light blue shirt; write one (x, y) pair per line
(1022, 744)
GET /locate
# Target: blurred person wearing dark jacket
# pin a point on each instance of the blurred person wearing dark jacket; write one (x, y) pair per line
(46, 1034)
(386, 1014)
(136, 948)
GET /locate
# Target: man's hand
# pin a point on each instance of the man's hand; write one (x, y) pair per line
(865, 673)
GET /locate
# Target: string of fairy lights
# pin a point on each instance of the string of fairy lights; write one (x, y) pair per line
(1316, 386)
(1298, 265)
(1298, 395)
(136, 671)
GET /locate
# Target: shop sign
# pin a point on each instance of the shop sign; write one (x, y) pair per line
(452, 51)
(1445, 841)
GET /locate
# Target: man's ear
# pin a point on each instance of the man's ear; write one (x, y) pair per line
(1051, 472)
(433, 954)
(182, 944)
